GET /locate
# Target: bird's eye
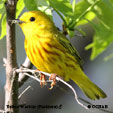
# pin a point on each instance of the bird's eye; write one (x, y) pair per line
(32, 19)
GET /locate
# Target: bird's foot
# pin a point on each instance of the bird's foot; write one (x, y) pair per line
(42, 80)
(53, 78)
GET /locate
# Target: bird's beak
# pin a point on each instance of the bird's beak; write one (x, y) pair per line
(17, 21)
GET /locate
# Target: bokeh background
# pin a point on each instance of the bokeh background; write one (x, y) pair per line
(99, 71)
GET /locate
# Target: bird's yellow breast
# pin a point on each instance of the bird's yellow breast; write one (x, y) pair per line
(49, 57)
(44, 55)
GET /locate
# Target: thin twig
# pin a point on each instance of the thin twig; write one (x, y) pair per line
(37, 79)
(75, 94)
(26, 71)
(23, 92)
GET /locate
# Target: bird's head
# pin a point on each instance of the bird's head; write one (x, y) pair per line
(34, 21)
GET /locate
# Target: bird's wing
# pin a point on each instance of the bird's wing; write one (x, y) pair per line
(69, 47)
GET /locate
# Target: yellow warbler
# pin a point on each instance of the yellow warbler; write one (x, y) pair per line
(50, 51)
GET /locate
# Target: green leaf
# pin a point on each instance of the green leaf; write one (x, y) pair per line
(111, 2)
(42, 2)
(30, 5)
(1, 5)
(90, 16)
(46, 10)
(73, 5)
(38, 5)
(0, 16)
(2, 20)
(104, 32)
(104, 11)
(3, 27)
(102, 38)
(20, 6)
(64, 6)
(82, 10)
(71, 33)
(43, 6)
(2, 9)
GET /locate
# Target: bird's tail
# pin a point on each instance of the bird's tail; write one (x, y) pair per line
(89, 88)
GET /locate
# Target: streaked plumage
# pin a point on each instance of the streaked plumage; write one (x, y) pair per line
(50, 51)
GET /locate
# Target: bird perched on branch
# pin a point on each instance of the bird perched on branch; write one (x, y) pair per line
(50, 51)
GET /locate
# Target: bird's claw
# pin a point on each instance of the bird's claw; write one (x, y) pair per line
(42, 80)
(52, 77)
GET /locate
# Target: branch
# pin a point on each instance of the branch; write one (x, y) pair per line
(26, 71)
(11, 86)
(23, 92)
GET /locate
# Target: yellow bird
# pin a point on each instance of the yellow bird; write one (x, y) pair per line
(50, 51)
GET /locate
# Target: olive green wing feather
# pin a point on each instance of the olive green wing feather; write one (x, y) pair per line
(69, 47)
